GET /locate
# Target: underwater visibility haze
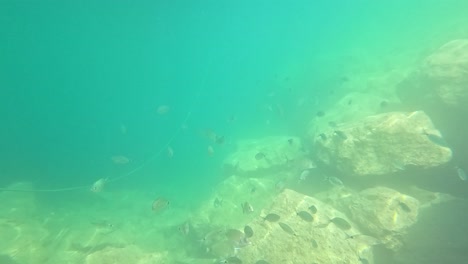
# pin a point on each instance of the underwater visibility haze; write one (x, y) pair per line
(233, 132)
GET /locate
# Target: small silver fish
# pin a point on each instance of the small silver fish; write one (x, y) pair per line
(159, 204)
(184, 229)
(99, 185)
(304, 175)
(461, 173)
(247, 208)
(334, 181)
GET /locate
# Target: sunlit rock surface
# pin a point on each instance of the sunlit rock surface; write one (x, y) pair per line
(263, 156)
(318, 241)
(383, 213)
(383, 144)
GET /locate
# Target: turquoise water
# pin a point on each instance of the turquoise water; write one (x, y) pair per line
(81, 83)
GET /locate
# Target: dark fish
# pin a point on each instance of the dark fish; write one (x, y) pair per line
(262, 262)
(314, 243)
(259, 156)
(320, 113)
(159, 204)
(404, 207)
(341, 223)
(323, 136)
(340, 134)
(217, 202)
(286, 228)
(248, 231)
(247, 208)
(290, 141)
(332, 124)
(253, 190)
(383, 104)
(272, 217)
(313, 209)
(219, 139)
(350, 102)
(305, 216)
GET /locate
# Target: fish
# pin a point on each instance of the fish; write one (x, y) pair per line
(248, 231)
(262, 262)
(217, 202)
(120, 160)
(305, 216)
(364, 239)
(340, 134)
(383, 104)
(404, 207)
(313, 209)
(210, 150)
(162, 109)
(436, 139)
(323, 136)
(247, 208)
(320, 113)
(286, 228)
(461, 173)
(259, 156)
(314, 243)
(304, 175)
(334, 181)
(290, 141)
(341, 223)
(332, 124)
(159, 204)
(272, 217)
(170, 152)
(184, 229)
(219, 140)
(280, 185)
(99, 185)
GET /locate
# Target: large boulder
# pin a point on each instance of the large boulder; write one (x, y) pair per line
(441, 79)
(316, 241)
(384, 213)
(382, 144)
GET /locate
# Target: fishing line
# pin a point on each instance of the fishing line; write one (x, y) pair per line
(125, 175)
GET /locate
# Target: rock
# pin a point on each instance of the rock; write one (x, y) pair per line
(125, 255)
(383, 144)
(442, 78)
(384, 213)
(260, 157)
(301, 241)
(447, 72)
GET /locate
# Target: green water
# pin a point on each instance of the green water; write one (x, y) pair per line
(81, 82)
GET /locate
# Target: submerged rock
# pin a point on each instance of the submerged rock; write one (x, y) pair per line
(292, 240)
(382, 144)
(384, 213)
(442, 78)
